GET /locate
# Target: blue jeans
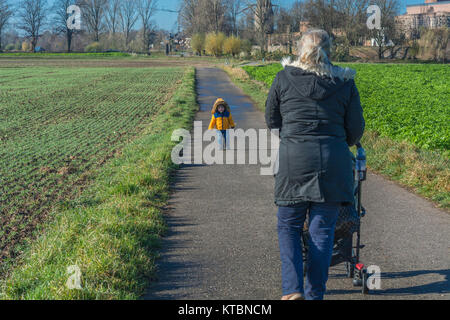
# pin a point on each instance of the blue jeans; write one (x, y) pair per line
(223, 139)
(322, 223)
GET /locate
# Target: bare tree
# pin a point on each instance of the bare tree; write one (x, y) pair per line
(284, 20)
(286, 24)
(389, 9)
(5, 14)
(216, 11)
(93, 12)
(297, 12)
(203, 16)
(353, 19)
(263, 13)
(61, 16)
(146, 10)
(32, 14)
(128, 17)
(433, 44)
(322, 14)
(247, 26)
(235, 9)
(188, 17)
(112, 14)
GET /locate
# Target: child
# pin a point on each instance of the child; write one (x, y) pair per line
(222, 121)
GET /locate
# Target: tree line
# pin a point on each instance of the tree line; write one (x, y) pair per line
(33, 17)
(255, 20)
(214, 26)
(258, 21)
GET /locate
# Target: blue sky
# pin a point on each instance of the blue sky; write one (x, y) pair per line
(166, 20)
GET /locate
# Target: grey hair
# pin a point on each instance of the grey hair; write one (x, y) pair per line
(314, 49)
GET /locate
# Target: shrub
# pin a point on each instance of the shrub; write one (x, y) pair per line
(26, 46)
(214, 43)
(232, 45)
(433, 44)
(414, 49)
(257, 54)
(278, 55)
(198, 43)
(93, 47)
(246, 46)
(341, 50)
(10, 47)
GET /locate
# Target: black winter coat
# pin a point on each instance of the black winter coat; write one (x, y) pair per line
(319, 118)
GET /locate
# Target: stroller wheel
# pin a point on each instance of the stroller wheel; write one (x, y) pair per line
(357, 278)
(359, 273)
(350, 270)
(357, 281)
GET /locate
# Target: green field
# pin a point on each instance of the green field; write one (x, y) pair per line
(403, 102)
(85, 152)
(57, 124)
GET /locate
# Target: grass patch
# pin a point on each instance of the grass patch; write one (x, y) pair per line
(256, 90)
(424, 171)
(112, 232)
(59, 125)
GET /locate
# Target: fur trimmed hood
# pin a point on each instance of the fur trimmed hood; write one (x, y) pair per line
(219, 102)
(321, 69)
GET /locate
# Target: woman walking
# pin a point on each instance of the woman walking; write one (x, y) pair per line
(316, 107)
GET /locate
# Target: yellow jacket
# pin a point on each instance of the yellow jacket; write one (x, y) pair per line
(221, 121)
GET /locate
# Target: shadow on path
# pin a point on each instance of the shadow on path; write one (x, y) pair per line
(438, 287)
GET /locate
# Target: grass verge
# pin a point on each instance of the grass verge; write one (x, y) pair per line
(112, 232)
(256, 90)
(424, 172)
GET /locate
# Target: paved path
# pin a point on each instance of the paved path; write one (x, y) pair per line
(222, 242)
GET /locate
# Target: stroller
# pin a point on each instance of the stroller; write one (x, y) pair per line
(348, 224)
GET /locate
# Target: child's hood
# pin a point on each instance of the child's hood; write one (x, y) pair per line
(219, 102)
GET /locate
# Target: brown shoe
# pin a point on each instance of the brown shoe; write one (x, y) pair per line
(294, 296)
